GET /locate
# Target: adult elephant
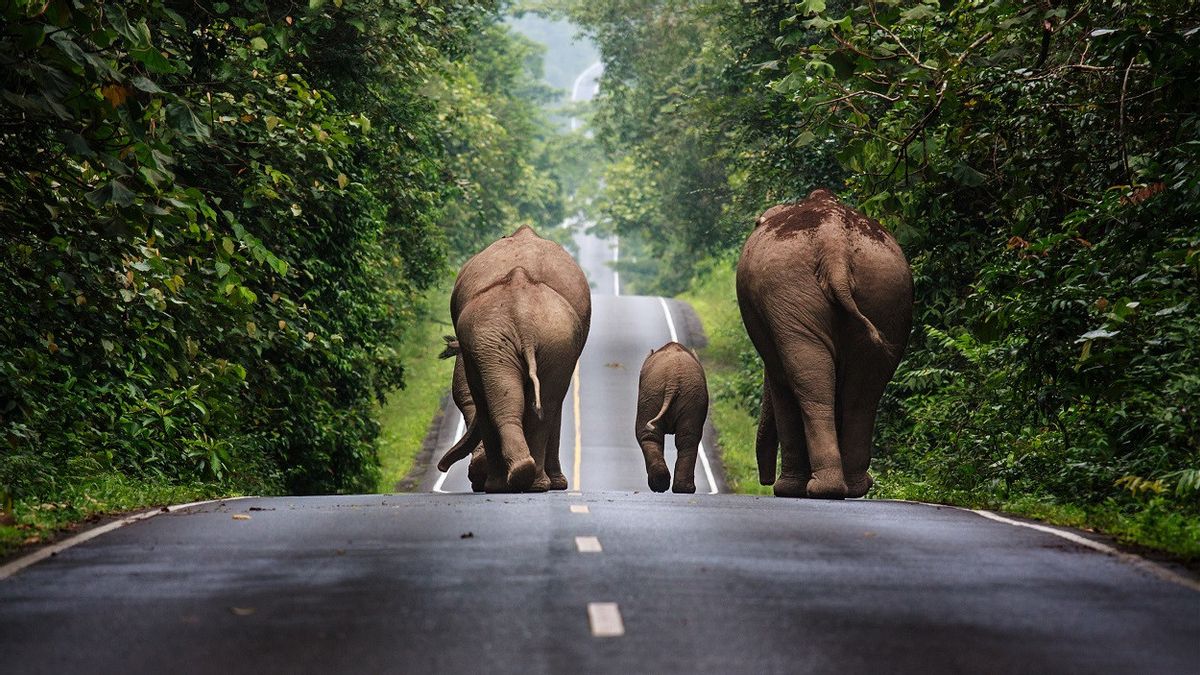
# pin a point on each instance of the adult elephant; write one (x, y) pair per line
(519, 341)
(826, 297)
(546, 262)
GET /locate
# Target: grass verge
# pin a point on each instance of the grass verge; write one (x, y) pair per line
(404, 418)
(732, 374)
(715, 302)
(83, 502)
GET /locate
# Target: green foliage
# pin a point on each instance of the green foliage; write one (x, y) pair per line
(1039, 164)
(219, 220)
(405, 416)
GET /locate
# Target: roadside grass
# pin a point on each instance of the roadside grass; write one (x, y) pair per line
(715, 302)
(79, 503)
(1152, 523)
(404, 418)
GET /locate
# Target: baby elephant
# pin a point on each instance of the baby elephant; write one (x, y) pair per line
(672, 399)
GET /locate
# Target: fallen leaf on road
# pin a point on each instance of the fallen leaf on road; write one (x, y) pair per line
(868, 534)
(241, 516)
(242, 611)
(466, 535)
(613, 364)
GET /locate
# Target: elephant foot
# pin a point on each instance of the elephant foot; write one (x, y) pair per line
(825, 488)
(858, 487)
(477, 473)
(522, 474)
(540, 484)
(683, 488)
(791, 486)
(658, 477)
(558, 481)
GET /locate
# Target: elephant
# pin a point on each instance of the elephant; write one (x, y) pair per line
(672, 399)
(460, 392)
(826, 296)
(518, 341)
(546, 262)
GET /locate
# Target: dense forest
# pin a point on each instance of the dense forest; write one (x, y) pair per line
(219, 223)
(1039, 162)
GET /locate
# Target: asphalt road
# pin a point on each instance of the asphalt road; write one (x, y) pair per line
(464, 583)
(613, 579)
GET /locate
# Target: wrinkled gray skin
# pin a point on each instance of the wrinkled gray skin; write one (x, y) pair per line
(461, 393)
(544, 262)
(826, 296)
(672, 399)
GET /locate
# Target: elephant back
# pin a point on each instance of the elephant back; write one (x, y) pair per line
(545, 261)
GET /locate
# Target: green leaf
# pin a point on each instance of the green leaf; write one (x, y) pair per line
(146, 85)
(258, 44)
(811, 6)
(183, 120)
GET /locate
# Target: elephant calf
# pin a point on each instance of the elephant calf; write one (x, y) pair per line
(826, 296)
(672, 399)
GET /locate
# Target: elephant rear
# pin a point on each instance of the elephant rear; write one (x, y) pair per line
(672, 399)
(519, 341)
(826, 297)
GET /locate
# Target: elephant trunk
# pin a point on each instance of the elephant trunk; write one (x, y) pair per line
(463, 447)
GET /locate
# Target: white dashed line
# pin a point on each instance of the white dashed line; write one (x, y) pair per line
(708, 473)
(579, 508)
(605, 619)
(588, 544)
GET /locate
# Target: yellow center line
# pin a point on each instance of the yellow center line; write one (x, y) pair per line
(578, 430)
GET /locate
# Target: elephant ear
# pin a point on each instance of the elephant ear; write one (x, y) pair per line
(451, 349)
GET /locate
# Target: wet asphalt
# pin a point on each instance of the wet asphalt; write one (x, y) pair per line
(467, 583)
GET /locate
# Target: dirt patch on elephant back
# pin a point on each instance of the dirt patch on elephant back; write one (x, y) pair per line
(821, 206)
(865, 225)
(792, 219)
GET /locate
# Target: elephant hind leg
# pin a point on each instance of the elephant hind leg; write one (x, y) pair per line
(658, 476)
(766, 444)
(794, 469)
(687, 446)
(861, 390)
(558, 480)
(810, 370)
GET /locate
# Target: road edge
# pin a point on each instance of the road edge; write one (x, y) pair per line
(10, 569)
(1154, 569)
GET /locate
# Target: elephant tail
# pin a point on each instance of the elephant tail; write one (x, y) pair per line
(531, 365)
(451, 349)
(463, 447)
(667, 398)
(840, 287)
